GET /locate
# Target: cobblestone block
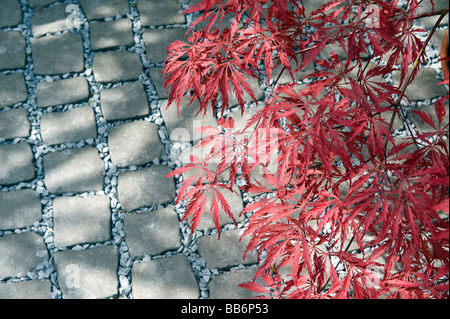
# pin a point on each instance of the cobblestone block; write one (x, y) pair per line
(58, 54)
(50, 20)
(39, 3)
(98, 9)
(66, 91)
(181, 127)
(80, 220)
(146, 187)
(158, 82)
(12, 50)
(226, 285)
(134, 143)
(156, 12)
(225, 252)
(30, 289)
(425, 7)
(164, 278)
(111, 34)
(152, 233)
(421, 126)
(70, 126)
(14, 123)
(19, 208)
(21, 253)
(17, 164)
(12, 89)
(74, 171)
(10, 14)
(124, 102)
(158, 40)
(88, 274)
(117, 66)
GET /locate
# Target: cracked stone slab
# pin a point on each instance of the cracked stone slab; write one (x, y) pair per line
(13, 89)
(158, 40)
(21, 253)
(19, 208)
(146, 187)
(69, 126)
(10, 14)
(156, 12)
(226, 285)
(98, 9)
(12, 50)
(74, 171)
(116, 66)
(58, 54)
(124, 102)
(14, 123)
(50, 20)
(152, 233)
(80, 220)
(134, 143)
(29, 289)
(17, 164)
(165, 278)
(111, 34)
(65, 91)
(88, 274)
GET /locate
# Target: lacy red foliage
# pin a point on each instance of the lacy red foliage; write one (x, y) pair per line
(349, 211)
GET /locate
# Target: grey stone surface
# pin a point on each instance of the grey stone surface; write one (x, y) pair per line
(226, 285)
(39, 3)
(124, 102)
(12, 89)
(50, 20)
(97, 9)
(257, 91)
(58, 54)
(80, 220)
(111, 34)
(65, 91)
(158, 82)
(152, 233)
(420, 125)
(10, 14)
(134, 143)
(156, 12)
(88, 274)
(14, 123)
(17, 164)
(74, 171)
(12, 50)
(19, 208)
(69, 126)
(116, 66)
(164, 278)
(21, 253)
(225, 252)
(30, 289)
(146, 187)
(157, 42)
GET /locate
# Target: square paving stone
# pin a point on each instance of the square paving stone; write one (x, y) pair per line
(146, 187)
(227, 251)
(124, 102)
(152, 233)
(12, 50)
(88, 274)
(80, 220)
(156, 12)
(98, 9)
(134, 143)
(30, 289)
(116, 66)
(157, 42)
(10, 14)
(50, 20)
(158, 82)
(226, 285)
(164, 278)
(21, 253)
(69, 126)
(39, 3)
(58, 54)
(111, 34)
(13, 89)
(19, 208)
(65, 91)
(14, 123)
(74, 171)
(17, 164)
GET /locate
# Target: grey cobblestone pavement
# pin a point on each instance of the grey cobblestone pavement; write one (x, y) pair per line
(86, 142)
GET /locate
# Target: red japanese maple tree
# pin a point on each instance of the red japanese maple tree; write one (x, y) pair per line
(348, 212)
